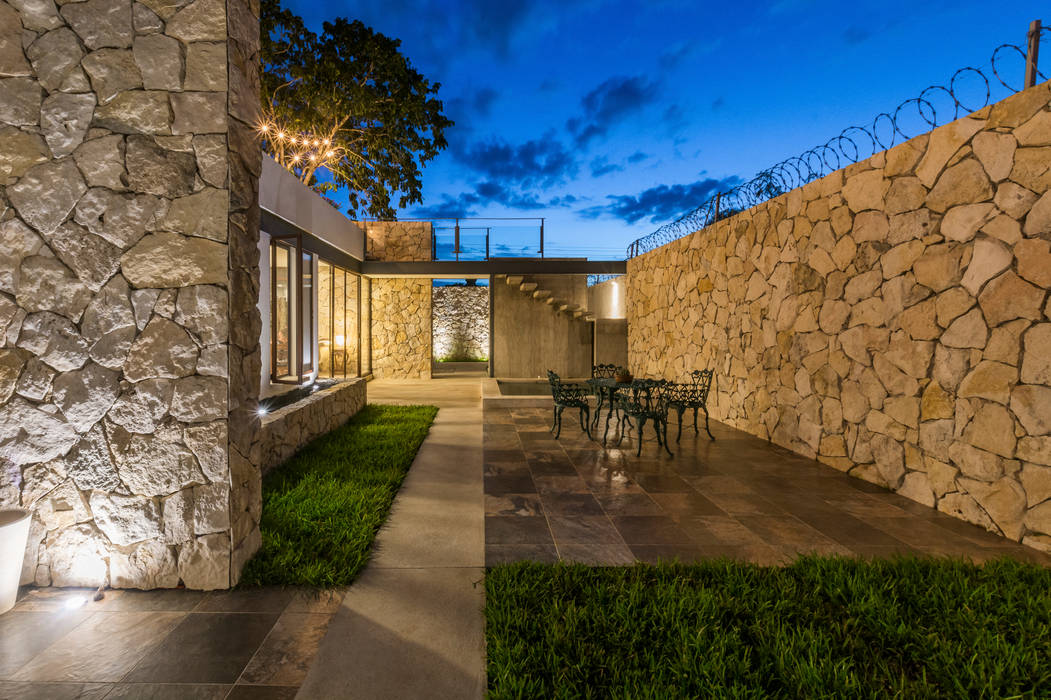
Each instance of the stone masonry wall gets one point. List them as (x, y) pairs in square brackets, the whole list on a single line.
[(401, 328), (397, 240), (127, 285), (460, 322), (288, 429), (891, 319)]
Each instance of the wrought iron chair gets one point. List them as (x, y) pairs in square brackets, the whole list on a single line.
[(693, 395), (569, 396), (646, 400), (603, 371)]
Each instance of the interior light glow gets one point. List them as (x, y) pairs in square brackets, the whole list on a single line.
[(261, 411)]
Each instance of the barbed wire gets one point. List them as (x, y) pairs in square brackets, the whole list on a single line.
[(851, 145)]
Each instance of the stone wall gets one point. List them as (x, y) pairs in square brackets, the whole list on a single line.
[(397, 240), (127, 288), (287, 429), (891, 319), (401, 328), (460, 322)]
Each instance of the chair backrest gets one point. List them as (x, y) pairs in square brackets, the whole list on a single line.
[(648, 396), (603, 371), (702, 382)]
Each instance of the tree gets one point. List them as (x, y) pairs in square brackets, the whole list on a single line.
[(347, 102)]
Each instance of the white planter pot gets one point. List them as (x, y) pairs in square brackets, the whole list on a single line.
[(14, 531)]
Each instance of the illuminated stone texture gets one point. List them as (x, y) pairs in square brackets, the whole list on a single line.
[(890, 319)]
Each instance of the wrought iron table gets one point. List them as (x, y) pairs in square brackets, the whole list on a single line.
[(606, 389)]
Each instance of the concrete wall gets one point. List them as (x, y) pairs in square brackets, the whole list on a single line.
[(460, 322), (285, 431), (530, 337), (890, 319), (611, 341), (128, 326)]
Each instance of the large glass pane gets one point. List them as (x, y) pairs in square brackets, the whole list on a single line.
[(324, 319), (353, 336), (366, 326), (281, 307), (339, 315), (308, 311)]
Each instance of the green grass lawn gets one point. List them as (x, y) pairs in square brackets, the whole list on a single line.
[(323, 507), (823, 627)]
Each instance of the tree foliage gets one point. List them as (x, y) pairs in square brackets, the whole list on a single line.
[(349, 103)]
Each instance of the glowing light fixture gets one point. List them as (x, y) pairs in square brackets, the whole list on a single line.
[(75, 602)]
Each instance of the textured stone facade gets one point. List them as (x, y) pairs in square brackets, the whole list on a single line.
[(287, 429), (460, 322), (128, 170), (397, 240), (891, 319), (401, 328)]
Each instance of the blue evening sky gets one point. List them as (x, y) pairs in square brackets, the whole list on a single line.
[(612, 118)]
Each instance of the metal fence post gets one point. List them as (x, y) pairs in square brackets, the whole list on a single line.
[(1032, 54), (487, 243), (541, 237), (456, 240)]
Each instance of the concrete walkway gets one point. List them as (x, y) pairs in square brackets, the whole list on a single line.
[(411, 625)]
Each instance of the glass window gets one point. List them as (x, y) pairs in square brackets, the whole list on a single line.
[(324, 319), (339, 314), (307, 334), (281, 308)]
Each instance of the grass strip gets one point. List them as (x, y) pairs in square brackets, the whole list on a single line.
[(822, 627), (323, 507)]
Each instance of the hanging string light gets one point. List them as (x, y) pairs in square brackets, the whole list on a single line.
[(301, 153)]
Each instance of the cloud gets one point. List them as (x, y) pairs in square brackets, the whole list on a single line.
[(638, 157), (542, 162), (718, 103), (610, 102), (601, 166), (483, 101), (661, 203)]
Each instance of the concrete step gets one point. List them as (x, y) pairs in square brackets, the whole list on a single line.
[(589, 317), (554, 302), (568, 308), (514, 280), (528, 287), (541, 294), (579, 312)]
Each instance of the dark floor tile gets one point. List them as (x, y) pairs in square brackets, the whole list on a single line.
[(628, 503), (759, 554), (596, 554), (711, 530), (666, 553), (503, 456), (501, 485), (650, 529), (570, 504), (287, 652), (165, 600), (262, 692), (515, 529), (506, 468), (584, 529), (101, 649), (882, 551), (862, 505), (718, 483), (53, 691), (791, 534), (560, 484), (847, 529), (259, 600), (686, 504), (205, 648), (866, 487), (513, 504), (169, 691), (32, 599), (550, 464), (509, 553), (744, 504), (24, 634), (662, 483)]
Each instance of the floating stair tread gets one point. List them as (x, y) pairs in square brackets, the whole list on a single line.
[(541, 294), (528, 286), (514, 280)]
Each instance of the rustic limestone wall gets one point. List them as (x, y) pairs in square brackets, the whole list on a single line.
[(891, 319), (460, 322), (127, 287), (401, 328), (397, 240), (287, 429)]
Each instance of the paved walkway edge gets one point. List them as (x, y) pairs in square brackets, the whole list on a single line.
[(412, 624)]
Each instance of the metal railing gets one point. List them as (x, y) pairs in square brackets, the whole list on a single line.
[(487, 238), (886, 130)]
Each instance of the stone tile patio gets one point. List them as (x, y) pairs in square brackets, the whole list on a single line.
[(739, 497), (255, 643)]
